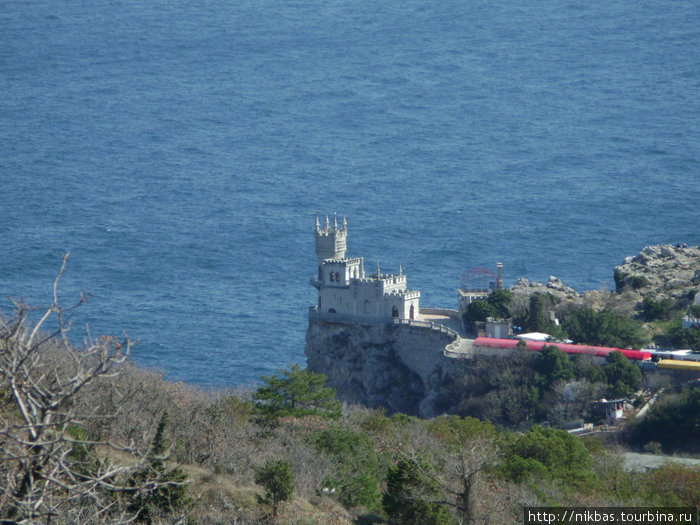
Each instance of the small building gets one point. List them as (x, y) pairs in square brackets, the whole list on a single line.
[(499, 328), (690, 322), (609, 410)]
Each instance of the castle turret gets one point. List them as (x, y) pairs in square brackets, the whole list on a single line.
[(331, 243)]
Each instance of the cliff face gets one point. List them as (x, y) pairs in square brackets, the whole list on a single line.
[(398, 367), (659, 272)]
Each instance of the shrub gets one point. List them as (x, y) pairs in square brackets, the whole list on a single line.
[(278, 481), (637, 281), (653, 309)]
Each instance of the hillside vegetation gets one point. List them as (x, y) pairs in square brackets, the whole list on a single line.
[(88, 438)]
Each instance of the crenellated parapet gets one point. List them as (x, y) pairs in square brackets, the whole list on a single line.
[(345, 289)]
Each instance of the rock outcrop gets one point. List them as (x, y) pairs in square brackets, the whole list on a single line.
[(398, 367), (668, 270)]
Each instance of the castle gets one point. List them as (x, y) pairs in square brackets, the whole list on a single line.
[(345, 293)]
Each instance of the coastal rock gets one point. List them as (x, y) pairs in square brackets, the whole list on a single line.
[(662, 270), (554, 287)]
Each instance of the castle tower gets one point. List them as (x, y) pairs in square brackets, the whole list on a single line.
[(331, 243)]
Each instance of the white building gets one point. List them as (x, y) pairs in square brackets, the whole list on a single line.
[(344, 290)]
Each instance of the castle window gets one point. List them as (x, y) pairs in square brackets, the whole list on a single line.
[(337, 277), (394, 311), (366, 307), (332, 276)]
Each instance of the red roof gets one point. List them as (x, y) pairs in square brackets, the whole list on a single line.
[(599, 351)]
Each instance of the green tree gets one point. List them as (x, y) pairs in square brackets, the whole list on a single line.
[(356, 466), (500, 300), (537, 317), (478, 311), (552, 366), (295, 392), (606, 329), (622, 376), (653, 309), (684, 337), (674, 421), (278, 481), (546, 453), (412, 498)]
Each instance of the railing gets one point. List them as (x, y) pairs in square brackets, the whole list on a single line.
[(440, 311), (427, 324)]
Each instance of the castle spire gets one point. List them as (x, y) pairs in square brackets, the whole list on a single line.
[(400, 269), (378, 274), (335, 222), (327, 225), (345, 223), (318, 226)]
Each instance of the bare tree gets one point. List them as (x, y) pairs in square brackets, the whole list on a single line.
[(456, 465), (51, 471)]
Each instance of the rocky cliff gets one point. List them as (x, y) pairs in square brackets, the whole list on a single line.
[(659, 272), (398, 367)]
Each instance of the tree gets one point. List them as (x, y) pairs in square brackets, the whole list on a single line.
[(623, 377), (278, 481), (500, 300), (684, 337), (355, 463), (653, 309), (545, 453), (51, 469), (552, 366), (295, 392), (478, 311), (466, 449), (607, 329), (411, 496), (674, 421)]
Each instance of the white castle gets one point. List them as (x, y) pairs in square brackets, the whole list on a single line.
[(345, 292)]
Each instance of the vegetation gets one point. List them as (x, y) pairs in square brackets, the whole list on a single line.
[(278, 481), (684, 337), (412, 497), (496, 305), (674, 423), (604, 328), (295, 392), (547, 386), (623, 377), (86, 438)]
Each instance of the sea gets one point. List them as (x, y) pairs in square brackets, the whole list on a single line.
[(181, 150)]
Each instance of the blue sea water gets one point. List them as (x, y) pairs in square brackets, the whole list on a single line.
[(179, 151)]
